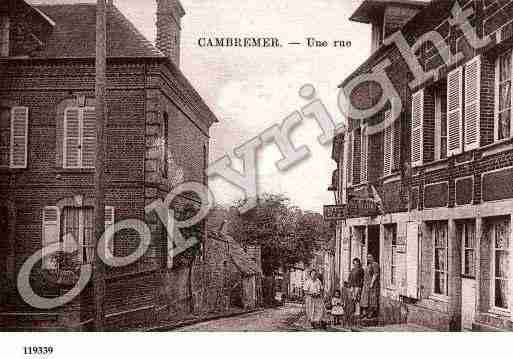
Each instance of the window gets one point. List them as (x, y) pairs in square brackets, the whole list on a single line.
[(441, 122), (467, 235), (79, 137), (500, 264), (388, 147), (349, 165), (72, 223), (5, 134), (13, 137), (391, 237), (205, 164), (417, 128), (503, 97), (4, 35), (364, 156), (441, 259), (77, 222), (165, 146)]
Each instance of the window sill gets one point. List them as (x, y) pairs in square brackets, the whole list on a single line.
[(75, 170), (497, 147), (439, 298), (499, 312), (395, 176), (7, 170)]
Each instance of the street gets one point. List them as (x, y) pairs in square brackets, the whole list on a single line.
[(275, 319)]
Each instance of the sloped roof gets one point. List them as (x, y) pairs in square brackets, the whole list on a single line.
[(242, 260), (74, 34), (370, 8)]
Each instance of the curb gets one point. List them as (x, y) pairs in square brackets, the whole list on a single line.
[(186, 323)]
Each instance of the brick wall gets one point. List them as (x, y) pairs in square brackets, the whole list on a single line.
[(44, 86)]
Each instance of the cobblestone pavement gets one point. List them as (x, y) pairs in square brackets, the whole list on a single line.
[(276, 319)]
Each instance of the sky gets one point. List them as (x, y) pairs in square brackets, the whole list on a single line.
[(252, 89)]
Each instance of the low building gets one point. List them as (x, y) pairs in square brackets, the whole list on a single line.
[(428, 192)]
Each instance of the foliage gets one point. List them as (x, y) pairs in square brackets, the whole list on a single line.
[(186, 258), (286, 234)]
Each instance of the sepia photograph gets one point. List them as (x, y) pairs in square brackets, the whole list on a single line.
[(293, 166)]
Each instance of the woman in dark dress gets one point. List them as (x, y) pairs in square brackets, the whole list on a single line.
[(370, 292)]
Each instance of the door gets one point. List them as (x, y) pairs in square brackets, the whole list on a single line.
[(373, 243), (468, 303), (467, 237)]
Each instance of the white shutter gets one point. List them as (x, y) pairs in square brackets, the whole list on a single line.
[(472, 103), (365, 155), (417, 128), (19, 137), (388, 147), (454, 109), (51, 233), (88, 137), (72, 142), (412, 260), (349, 162), (109, 221)]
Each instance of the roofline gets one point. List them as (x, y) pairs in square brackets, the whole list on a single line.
[(212, 118), (360, 15), (383, 49), (44, 16)]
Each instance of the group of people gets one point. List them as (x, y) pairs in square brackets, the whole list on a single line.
[(358, 298)]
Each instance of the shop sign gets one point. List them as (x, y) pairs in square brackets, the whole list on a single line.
[(354, 209)]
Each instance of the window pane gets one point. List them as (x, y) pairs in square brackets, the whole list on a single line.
[(501, 293), (505, 67), (440, 259), (469, 262), (440, 283), (88, 250), (505, 96), (501, 264), (504, 125)]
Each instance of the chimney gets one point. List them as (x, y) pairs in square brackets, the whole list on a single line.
[(169, 15)]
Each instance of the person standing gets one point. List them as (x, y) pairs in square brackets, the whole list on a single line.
[(370, 292), (314, 304), (355, 282)]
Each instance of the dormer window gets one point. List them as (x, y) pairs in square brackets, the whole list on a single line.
[(4, 35)]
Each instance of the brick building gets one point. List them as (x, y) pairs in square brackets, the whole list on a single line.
[(430, 194), (157, 135)]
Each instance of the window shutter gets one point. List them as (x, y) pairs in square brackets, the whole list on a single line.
[(349, 165), (19, 137), (417, 129), (51, 233), (364, 156), (412, 260), (388, 147), (88, 137), (170, 241), (72, 141), (109, 221), (454, 109), (472, 103)]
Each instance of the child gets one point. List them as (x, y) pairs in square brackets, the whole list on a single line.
[(337, 308)]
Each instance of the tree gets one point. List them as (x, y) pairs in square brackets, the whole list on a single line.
[(286, 234)]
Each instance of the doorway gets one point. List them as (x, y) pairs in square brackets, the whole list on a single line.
[(373, 242), (466, 231)]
